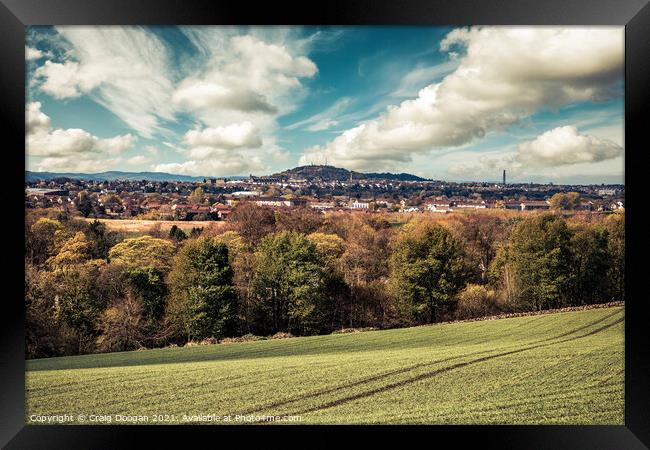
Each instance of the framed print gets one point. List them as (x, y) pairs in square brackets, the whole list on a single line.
[(399, 217)]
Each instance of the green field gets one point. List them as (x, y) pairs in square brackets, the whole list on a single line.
[(552, 368)]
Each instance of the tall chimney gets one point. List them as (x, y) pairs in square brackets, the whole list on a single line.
[(504, 176)]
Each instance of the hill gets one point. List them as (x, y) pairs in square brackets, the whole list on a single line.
[(554, 368), (111, 176), (331, 173)]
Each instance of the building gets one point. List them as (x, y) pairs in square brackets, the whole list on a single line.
[(264, 180), (534, 205), (246, 194), (358, 204), (322, 205)]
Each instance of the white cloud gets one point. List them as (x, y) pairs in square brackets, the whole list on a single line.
[(35, 120), (564, 146), (125, 69), (32, 53), (506, 74), (69, 149), (243, 73), (138, 159), (553, 149), (227, 164), (229, 150), (235, 135), (416, 79)]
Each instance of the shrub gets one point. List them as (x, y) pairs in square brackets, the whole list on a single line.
[(477, 301)]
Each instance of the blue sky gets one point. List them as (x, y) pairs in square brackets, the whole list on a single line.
[(441, 102)]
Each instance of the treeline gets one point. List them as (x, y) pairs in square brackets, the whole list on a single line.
[(298, 272)]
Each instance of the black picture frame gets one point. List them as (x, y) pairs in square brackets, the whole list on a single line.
[(15, 15)]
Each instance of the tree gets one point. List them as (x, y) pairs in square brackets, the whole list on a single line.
[(615, 225), (477, 300), (122, 326), (84, 203), (143, 251), (197, 197), (540, 252), (148, 285), (101, 240), (252, 222), (565, 201), (203, 300), (427, 270), (75, 250), (481, 235), (329, 246), (77, 303), (289, 282), (177, 234), (591, 262), (41, 242), (301, 220)]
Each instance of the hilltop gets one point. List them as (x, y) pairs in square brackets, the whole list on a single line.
[(331, 173)]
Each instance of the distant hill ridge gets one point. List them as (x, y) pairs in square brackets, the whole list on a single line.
[(326, 173), (331, 173)]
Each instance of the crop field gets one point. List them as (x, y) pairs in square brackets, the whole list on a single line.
[(560, 368), (143, 226)]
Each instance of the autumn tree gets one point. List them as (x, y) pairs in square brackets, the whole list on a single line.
[(252, 222), (615, 225), (143, 251), (41, 241), (481, 235), (197, 197), (565, 201), (122, 326)]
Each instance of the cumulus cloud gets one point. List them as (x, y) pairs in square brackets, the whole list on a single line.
[(503, 76), (243, 73), (561, 146), (231, 136), (32, 53), (227, 164), (228, 150), (125, 69), (69, 149), (230, 76), (564, 146)]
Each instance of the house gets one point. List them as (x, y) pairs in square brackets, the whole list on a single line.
[(322, 205), (359, 204), (439, 207), (534, 205), (279, 202), (471, 205), (220, 210)]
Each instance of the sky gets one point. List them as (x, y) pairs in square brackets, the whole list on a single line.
[(446, 103)]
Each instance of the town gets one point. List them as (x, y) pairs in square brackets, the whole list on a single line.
[(303, 187)]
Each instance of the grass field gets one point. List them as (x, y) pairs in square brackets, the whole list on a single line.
[(551, 369), (143, 226)]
